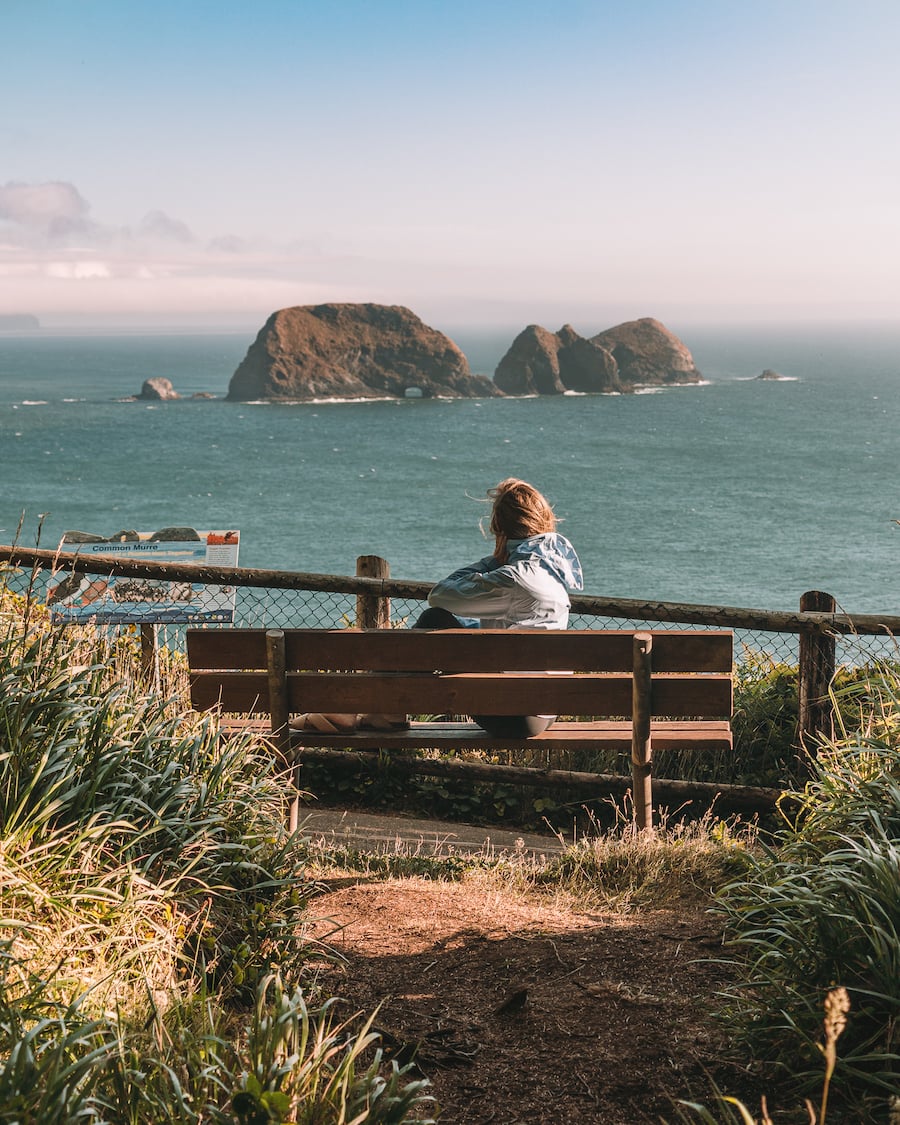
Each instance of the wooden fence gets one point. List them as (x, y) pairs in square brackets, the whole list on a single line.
[(817, 623)]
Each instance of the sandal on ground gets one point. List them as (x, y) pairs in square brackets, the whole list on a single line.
[(324, 723), (383, 722)]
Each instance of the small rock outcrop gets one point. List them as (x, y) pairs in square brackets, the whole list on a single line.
[(353, 351), (638, 353), (158, 389), (770, 376)]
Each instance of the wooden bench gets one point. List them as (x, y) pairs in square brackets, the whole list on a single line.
[(633, 691)]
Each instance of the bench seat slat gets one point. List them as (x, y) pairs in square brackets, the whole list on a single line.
[(233, 691), (226, 648), (606, 735), (459, 650), (498, 694), (506, 694)]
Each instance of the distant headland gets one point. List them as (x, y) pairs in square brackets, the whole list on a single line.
[(360, 351), (17, 322)]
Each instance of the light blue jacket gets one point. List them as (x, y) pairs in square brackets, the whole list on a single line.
[(526, 592)]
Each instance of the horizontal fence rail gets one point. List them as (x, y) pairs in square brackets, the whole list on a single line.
[(626, 609)]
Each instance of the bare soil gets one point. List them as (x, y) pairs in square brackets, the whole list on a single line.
[(526, 1012)]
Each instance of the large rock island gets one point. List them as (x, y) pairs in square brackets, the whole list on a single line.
[(639, 353), (353, 351)]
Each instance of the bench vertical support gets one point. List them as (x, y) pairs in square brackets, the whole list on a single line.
[(278, 709), (641, 781)]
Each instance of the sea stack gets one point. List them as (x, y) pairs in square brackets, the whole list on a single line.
[(550, 363), (353, 351), (158, 389), (638, 353)]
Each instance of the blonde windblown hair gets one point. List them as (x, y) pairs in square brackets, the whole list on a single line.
[(519, 511)]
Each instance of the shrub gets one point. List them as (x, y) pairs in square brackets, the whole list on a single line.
[(764, 723), (150, 894), (821, 908)]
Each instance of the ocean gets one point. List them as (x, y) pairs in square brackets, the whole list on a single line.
[(739, 492)]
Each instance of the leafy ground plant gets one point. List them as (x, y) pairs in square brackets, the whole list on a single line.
[(732, 1111), (111, 794), (820, 908), (150, 898)]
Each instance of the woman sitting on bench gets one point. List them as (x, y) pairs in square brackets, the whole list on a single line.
[(522, 585)]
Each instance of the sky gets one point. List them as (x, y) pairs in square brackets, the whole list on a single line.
[(483, 162)]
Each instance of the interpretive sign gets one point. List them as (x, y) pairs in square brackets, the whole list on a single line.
[(120, 600)]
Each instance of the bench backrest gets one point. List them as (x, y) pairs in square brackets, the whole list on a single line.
[(461, 671)]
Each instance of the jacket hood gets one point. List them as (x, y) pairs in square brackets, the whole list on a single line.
[(553, 553)]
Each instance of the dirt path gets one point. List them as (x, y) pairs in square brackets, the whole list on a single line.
[(530, 1013)]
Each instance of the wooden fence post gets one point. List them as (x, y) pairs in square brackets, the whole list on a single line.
[(816, 671), (150, 656), (641, 749), (372, 611)]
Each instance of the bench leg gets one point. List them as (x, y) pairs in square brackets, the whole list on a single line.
[(641, 749), (279, 716)]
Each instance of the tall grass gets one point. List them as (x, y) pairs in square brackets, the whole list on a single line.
[(155, 963), (820, 908), (626, 868), (110, 796)]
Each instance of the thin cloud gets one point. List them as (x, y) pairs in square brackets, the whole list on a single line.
[(48, 229), (157, 224), (53, 210), (56, 215), (56, 258)]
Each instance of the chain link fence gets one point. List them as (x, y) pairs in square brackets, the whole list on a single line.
[(779, 653), (278, 600)]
